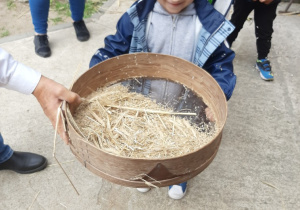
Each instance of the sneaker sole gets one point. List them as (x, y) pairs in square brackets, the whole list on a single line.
[(143, 190), (262, 76), (176, 196), (43, 56)]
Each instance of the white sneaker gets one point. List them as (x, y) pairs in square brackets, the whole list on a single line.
[(177, 191), (144, 189)]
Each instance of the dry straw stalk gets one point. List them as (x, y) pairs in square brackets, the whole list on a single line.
[(129, 124)]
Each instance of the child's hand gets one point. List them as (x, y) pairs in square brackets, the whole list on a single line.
[(209, 114)]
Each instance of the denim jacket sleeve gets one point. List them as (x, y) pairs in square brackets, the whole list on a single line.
[(220, 66)]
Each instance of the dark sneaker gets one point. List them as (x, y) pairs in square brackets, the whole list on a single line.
[(42, 45), (81, 31), (264, 67), (24, 163)]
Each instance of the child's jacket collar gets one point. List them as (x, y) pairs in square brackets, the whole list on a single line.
[(210, 18)]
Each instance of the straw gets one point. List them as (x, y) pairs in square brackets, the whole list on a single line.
[(129, 124)]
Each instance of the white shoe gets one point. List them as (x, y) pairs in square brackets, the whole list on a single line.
[(177, 191), (143, 190)]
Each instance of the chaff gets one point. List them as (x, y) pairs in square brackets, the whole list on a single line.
[(130, 124)]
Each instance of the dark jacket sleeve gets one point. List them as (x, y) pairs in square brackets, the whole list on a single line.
[(117, 44), (220, 66)]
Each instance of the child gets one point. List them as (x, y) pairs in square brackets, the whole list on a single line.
[(192, 30), (264, 16)]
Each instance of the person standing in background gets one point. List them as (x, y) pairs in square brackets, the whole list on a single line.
[(39, 13), (264, 16)]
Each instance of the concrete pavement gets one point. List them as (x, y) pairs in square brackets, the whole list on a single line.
[(258, 162)]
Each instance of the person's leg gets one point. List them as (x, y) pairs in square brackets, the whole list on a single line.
[(241, 11), (39, 13), (264, 16), (77, 11), (5, 151), (20, 162)]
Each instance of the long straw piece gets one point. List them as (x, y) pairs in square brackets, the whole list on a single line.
[(151, 111), (59, 113), (54, 146), (33, 200)]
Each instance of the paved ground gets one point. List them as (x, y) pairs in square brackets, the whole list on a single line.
[(258, 163), (18, 13)]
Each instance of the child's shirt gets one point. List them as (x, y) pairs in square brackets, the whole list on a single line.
[(172, 34)]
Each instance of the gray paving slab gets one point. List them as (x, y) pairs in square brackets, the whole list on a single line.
[(258, 162)]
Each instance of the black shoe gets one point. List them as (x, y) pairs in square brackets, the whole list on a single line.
[(42, 45), (24, 163), (81, 31)]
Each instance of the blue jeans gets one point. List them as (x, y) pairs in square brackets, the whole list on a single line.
[(5, 151), (40, 10)]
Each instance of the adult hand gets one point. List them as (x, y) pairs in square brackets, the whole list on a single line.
[(50, 95)]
